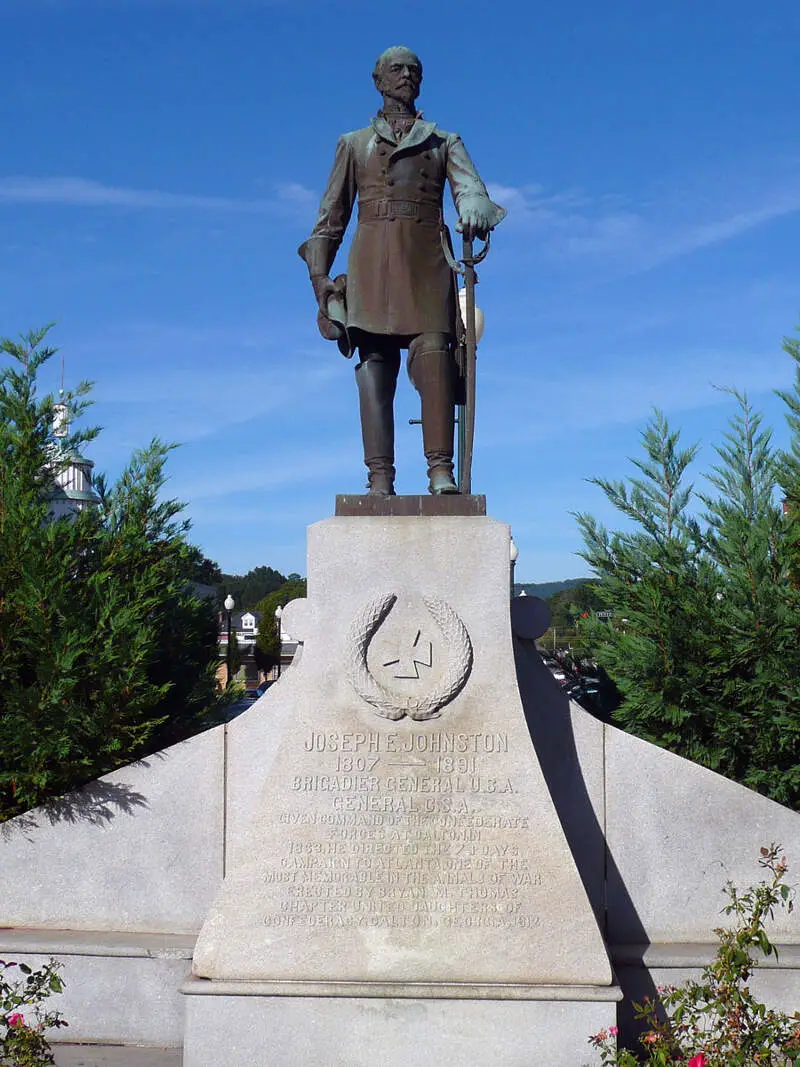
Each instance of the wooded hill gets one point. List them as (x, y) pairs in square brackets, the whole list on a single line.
[(545, 590)]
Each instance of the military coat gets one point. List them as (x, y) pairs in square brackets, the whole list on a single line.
[(398, 280)]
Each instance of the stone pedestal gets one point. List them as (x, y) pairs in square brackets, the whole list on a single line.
[(404, 892), (242, 1027)]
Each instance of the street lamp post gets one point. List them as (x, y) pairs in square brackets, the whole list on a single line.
[(278, 613), (473, 319), (514, 556), (230, 604)]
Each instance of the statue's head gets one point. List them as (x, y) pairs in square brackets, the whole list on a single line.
[(398, 74)]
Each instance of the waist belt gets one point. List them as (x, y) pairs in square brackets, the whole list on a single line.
[(398, 209)]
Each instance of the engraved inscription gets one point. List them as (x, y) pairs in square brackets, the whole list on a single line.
[(404, 830), (436, 741)]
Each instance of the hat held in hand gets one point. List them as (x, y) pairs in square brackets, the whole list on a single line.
[(333, 327)]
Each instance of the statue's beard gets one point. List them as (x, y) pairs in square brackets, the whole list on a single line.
[(402, 98)]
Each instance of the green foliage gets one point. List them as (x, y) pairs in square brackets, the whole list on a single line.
[(22, 1018), (267, 640), (232, 657), (568, 605), (704, 641), (716, 1021), (789, 471), (546, 590), (249, 589), (204, 570), (105, 653)]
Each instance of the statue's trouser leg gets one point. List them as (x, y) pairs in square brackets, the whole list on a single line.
[(432, 370), (376, 377)]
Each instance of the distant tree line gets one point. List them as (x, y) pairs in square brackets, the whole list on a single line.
[(569, 605), (547, 590), (248, 589)]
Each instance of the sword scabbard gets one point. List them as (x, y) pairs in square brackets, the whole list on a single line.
[(467, 431)]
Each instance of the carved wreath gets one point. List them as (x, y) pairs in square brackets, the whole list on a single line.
[(396, 705)]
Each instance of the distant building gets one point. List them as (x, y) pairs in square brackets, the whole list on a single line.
[(71, 490), (244, 624), (244, 628)]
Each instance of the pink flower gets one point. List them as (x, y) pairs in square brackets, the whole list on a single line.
[(697, 1061), (16, 1019), (613, 1030)]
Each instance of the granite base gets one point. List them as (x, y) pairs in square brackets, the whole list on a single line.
[(119, 988), (249, 1028)]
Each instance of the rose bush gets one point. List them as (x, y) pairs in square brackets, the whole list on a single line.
[(716, 1021), (23, 1020)]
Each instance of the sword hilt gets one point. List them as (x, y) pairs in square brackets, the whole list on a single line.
[(468, 260)]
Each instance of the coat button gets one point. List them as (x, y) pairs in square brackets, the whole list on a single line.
[(423, 188), (424, 174)]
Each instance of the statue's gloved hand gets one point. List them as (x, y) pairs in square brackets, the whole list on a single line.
[(324, 288), (478, 216), (475, 221)]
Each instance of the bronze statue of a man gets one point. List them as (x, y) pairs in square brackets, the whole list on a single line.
[(400, 291)]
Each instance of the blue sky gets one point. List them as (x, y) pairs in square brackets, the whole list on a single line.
[(162, 159)]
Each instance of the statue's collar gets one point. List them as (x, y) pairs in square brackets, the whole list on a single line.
[(419, 132)]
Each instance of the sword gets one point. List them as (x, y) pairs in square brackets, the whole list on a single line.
[(466, 416), (466, 358)]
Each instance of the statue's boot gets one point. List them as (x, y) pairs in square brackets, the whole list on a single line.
[(377, 380), (432, 373)]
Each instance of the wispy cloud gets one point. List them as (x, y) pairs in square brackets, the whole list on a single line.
[(574, 226), (725, 229), (532, 203), (294, 193), (316, 464), (181, 406), (237, 389), (83, 192), (621, 391)]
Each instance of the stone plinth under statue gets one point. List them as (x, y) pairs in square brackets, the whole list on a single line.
[(404, 872)]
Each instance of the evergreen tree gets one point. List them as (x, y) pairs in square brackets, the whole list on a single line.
[(105, 654), (205, 571), (704, 642), (267, 640), (754, 661), (789, 471), (233, 658)]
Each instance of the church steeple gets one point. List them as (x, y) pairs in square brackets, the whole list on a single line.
[(71, 490)]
